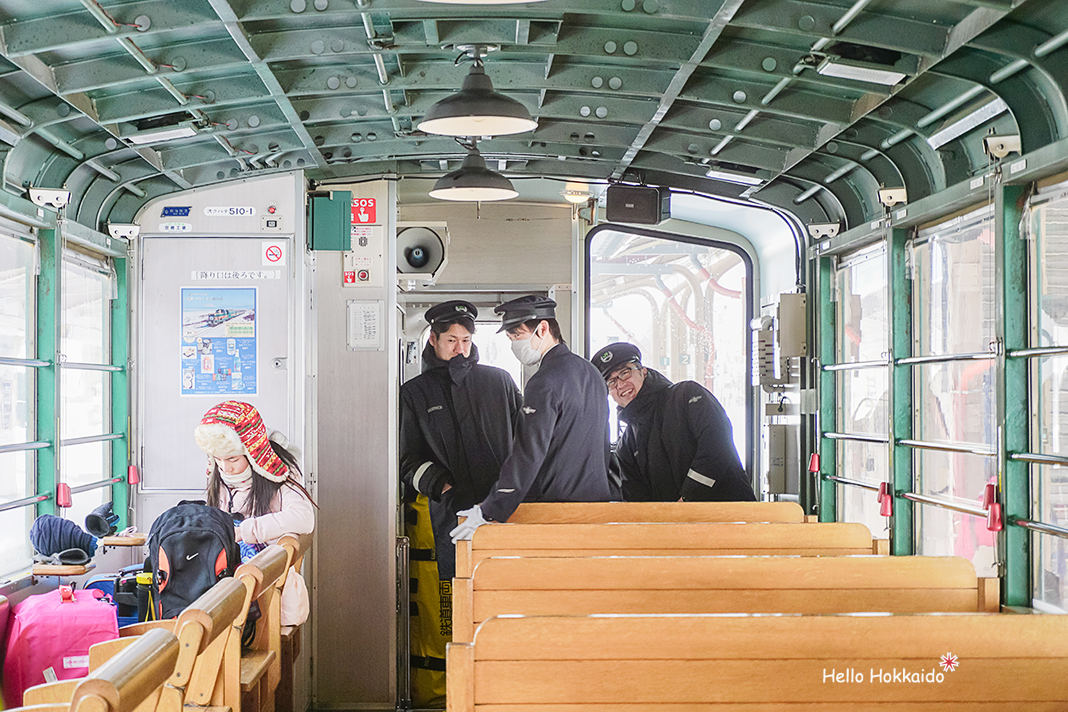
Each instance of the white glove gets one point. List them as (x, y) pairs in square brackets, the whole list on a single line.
[(464, 531)]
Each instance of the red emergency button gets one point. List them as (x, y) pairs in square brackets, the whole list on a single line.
[(272, 209), (363, 275)]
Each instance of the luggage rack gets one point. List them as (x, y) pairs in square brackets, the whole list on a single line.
[(80, 569)]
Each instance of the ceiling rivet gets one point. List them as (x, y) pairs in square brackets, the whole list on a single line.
[(596, 153), (321, 5), (273, 147), (715, 124), (305, 115), (832, 147), (301, 161), (209, 97), (610, 47), (615, 83), (806, 23), (111, 144), (351, 82), (357, 137), (287, 163), (738, 96), (319, 140), (372, 136), (693, 148), (884, 112), (143, 22), (584, 111), (333, 83), (630, 48), (347, 153), (231, 124), (361, 110), (597, 82), (601, 112), (63, 109), (628, 5), (221, 175), (337, 45), (253, 121), (574, 136), (650, 6), (318, 47), (769, 64), (253, 148), (298, 5)]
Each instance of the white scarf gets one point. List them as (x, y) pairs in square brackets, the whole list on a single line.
[(241, 481)]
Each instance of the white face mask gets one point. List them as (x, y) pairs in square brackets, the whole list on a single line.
[(526, 353)]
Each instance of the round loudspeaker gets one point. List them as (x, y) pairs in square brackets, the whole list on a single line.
[(420, 250)]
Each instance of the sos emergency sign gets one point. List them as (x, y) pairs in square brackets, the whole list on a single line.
[(363, 211)]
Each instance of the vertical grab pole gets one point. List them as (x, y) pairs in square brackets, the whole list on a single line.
[(404, 624)]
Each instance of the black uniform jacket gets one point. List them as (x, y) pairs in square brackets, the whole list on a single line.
[(561, 447), (678, 443), (456, 421)]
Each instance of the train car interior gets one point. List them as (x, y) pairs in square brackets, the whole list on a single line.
[(844, 218)]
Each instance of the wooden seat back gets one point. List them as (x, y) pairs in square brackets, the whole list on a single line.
[(662, 539), (763, 663), (133, 677), (604, 512), (296, 547), (717, 584)]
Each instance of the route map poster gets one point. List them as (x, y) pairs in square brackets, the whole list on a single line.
[(218, 341)]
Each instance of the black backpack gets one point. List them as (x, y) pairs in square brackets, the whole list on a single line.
[(191, 547)]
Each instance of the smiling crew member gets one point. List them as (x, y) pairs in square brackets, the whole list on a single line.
[(456, 424), (678, 442), (560, 452)]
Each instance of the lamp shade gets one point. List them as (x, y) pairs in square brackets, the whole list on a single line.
[(477, 110), (473, 182)]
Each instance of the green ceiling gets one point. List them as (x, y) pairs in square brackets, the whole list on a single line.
[(660, 91)]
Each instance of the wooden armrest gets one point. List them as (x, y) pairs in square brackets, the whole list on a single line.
[(215, 611), (296, 547), (131, 676), (62, 570), (253, 665), (144, 626), (264, 568), (288, 632)]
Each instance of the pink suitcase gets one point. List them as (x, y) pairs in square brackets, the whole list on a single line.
[(54, 630)]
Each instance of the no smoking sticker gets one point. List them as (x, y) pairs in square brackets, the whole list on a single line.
[(273, 253)]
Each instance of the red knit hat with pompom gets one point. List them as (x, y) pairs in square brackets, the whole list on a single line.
[(236, 428)]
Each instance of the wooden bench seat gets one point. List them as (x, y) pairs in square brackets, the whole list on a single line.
[(711, 584), (604, 512), (762, 663), (665, 539), (132, 679), (290, 636)]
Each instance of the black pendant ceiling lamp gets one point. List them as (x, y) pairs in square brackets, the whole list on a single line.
[(473, 182), (477, 109)]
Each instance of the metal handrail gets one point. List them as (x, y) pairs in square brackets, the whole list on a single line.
[(1039, 459), (1038, 351), (92, 439), (853, 483), (90, 366), (948, 447), (25, 501), (23, 447), (855, 366), (95, 485), (944, 358), (885, 439), (1040, 527), (924, 499), (31, 362)]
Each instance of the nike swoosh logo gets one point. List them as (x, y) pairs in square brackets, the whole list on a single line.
[(506, 491), (528, 410), (192, 556), (695, 399)]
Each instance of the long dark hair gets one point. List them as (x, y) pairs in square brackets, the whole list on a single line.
[(263, 489)]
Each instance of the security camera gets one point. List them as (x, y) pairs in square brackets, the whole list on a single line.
[(50, 196), (1001, 146), (125, 231), (892, 196), (823, 230)]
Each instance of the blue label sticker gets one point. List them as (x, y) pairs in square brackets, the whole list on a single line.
[(181, 211)]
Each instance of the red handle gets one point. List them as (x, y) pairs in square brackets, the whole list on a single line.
[(63, 495), (132, 475), (814, 462), (993, 517), (990, 495)]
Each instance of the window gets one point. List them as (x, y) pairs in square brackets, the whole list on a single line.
[(862, 384), (684, 303), (17, 402), (953, 386)]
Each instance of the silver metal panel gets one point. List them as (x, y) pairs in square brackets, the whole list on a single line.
[(170, 458), (354, 645)]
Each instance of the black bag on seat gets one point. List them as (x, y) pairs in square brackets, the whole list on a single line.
[(191, 546)]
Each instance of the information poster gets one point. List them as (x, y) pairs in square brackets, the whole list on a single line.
[(218, 341)]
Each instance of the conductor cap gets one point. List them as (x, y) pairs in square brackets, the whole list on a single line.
[(524, 309), (451, 312), (615, 356)]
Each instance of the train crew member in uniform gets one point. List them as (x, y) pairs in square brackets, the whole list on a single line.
[(677, 442), (254, 476), (561, 448), (456, 421)]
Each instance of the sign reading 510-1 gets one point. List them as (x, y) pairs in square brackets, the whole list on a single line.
[(230, 211)]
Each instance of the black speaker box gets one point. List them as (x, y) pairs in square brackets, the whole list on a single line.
[(638, 204)]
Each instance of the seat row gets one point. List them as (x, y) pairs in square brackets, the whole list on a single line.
[(653, 615), (197, 659)]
